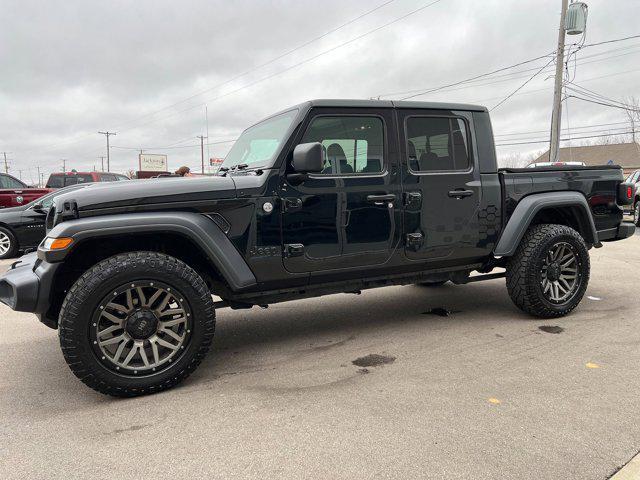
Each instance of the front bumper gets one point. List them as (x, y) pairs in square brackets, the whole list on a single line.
[(26, 286)]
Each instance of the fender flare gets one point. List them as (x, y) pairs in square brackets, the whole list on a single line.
[(198, 228), (527, 209)]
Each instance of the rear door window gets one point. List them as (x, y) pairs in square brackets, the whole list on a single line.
[(437, 144)]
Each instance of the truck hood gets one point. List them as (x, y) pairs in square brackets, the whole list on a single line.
[(174, 191)]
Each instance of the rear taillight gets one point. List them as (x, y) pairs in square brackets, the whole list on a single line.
[(626, 194)]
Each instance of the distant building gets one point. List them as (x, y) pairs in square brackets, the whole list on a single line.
[(627, 155)]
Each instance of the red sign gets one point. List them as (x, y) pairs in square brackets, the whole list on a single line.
[(216, 162)]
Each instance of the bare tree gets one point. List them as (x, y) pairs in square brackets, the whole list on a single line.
[(632, 114), (131, 173)]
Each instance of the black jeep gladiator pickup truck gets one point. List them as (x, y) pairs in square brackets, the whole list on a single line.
[(328, 196)]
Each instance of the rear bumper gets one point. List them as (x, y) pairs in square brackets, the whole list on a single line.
[(25, 287), (624, 230)]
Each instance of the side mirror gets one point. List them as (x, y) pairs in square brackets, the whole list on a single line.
[(38, 207), (308, 158)]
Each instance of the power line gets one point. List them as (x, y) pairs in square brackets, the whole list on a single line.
[(477, 76), (601, 103), (433, 89), (563, 139), (269, 62), (303, 62), (521, 86), (572, 128), (611, 41), (598, 132)]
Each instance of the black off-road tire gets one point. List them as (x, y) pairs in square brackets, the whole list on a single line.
[(84, 297), (12, 251), (524, 270), (636, 213)]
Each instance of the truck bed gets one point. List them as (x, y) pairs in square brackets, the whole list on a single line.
[(597, 183)]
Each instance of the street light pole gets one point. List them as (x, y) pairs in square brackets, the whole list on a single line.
[(107, 134), (556, 116)]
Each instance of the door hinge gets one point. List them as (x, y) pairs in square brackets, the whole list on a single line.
[(293, 250), (412, 199), (291, 204), (414, 240)]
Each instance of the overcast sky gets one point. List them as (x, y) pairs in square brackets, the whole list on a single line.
[(147, 68)]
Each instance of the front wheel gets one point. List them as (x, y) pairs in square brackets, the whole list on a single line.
[(549, 273), (636, 213), (136, 323)]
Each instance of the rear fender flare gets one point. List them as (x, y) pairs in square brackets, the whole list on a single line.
[(528, 208)]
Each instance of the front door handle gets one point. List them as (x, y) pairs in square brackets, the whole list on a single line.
[(459, 194), (380, 199)]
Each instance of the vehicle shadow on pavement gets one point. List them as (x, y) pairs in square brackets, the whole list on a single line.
[(251, 340)]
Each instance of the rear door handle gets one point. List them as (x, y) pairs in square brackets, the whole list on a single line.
[(460, 193), (380, 199)]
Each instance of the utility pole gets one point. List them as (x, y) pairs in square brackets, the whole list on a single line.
[(64, 165), (6, 164), (101, 163), (107, 134), (20, 174), (39, 182), (556, 116), (202, 137), (41, 178)]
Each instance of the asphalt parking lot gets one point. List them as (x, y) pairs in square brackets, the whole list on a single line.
[(482, 393)]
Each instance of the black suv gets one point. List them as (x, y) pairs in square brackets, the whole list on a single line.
[(328, 196)]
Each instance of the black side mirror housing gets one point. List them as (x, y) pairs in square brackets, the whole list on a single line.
[(308, 158), (38, 207)]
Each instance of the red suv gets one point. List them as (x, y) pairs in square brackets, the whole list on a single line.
[(14, 192), (59, 180)]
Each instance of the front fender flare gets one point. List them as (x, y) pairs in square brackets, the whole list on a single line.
[(196, 227), (527, 209)]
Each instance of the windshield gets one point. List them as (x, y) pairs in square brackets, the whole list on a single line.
[(258, 144), (47, 200)]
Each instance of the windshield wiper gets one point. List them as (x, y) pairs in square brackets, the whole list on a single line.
[(240, 166)]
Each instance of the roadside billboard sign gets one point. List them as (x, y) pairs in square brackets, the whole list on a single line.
[(216, 163)]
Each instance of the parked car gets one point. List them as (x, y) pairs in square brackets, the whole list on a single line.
[(634, 179), (23, 228), (326, 197), (59, 180), (14, 192)]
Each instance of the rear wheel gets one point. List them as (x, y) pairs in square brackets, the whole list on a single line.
[(636, 213), (8, 243), (549, 273), (136, 323)]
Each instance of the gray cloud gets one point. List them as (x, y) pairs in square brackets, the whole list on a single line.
[(72, 68)]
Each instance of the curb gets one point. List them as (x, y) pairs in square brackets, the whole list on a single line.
[(631, 471)]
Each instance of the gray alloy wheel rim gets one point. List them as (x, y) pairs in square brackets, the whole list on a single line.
[(560, 274), (141, 328), (5, 243), (636, 213)]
